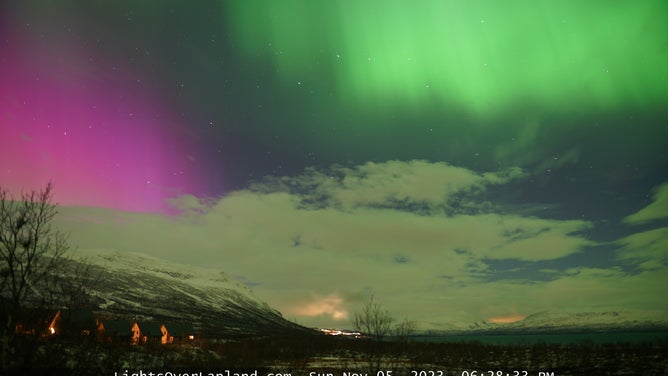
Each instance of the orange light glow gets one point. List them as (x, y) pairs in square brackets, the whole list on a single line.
[(506, 319)]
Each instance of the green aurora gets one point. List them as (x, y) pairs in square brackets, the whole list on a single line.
[(482, 58)]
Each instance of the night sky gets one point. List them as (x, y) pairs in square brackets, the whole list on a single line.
[(460, 160)]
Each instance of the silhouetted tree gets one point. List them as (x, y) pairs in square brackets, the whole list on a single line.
[(373, 319), (30, 248), (405, 329)]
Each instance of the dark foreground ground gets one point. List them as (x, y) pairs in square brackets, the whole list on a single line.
[(322, 355)]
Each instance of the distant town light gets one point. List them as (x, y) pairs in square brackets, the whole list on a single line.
[(335, 332)]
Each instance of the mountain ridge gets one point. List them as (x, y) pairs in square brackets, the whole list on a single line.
[(545, 322), (142, 287)]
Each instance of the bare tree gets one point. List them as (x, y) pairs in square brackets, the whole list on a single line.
[(373, 319), (405, 329), (30, 248)]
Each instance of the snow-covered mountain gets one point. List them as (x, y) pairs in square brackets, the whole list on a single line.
[(137, 286), (554, 322), (605, 320)]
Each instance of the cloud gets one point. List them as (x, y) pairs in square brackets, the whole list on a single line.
[(313, 244), (646, 250), (656, 210), (506, 319), (408, 185), (188, 205), (331, 305), (604, 289)]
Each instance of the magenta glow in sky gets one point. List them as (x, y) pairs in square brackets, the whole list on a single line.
[(100, 137)]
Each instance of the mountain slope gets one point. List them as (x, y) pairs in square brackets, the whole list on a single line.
[(138, 286), (594, 321), (565, 322)]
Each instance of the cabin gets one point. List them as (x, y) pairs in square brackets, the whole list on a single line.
[(115, 331), (149, 332), (78, 322), (49, 321), (38, 321), (180, 333), (55, 320)]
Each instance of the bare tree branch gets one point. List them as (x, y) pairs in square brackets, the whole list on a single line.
[(373, 320), (30, 249)]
